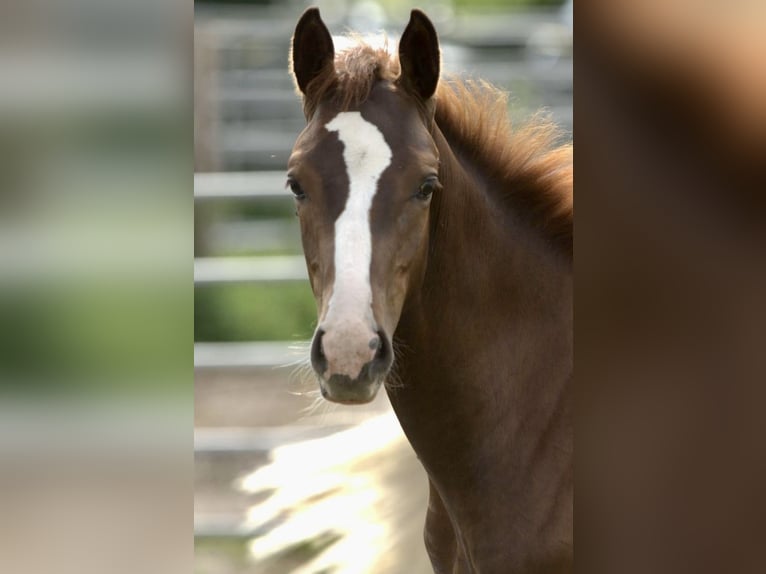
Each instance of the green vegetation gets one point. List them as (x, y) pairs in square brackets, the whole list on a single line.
[(254, 312), (95, 338), (232, 554)]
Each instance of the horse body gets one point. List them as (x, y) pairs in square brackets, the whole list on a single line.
[(459, 265), (485, 368)]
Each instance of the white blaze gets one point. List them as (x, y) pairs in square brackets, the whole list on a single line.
[(366, 155)]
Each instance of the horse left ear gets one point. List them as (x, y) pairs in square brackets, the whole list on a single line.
[(312, 50), (419, 55)]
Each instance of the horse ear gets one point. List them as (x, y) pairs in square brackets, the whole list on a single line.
[(312, 48), (419, 55)]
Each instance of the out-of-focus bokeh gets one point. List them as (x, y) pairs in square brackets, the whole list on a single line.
[(284, 481), (96, 289), (670, 283)]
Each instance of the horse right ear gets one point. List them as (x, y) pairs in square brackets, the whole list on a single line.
[(312, 49), (419, 55)]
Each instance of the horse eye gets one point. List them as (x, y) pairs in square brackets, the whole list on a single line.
[(426, 188), (295, 187)]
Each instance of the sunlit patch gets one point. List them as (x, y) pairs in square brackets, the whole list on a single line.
[(329, 492)]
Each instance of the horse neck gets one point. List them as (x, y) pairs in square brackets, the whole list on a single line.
[(485, 340)]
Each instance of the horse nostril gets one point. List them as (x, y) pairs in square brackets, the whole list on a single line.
[(318, 359), (374, 343), (384, 355)]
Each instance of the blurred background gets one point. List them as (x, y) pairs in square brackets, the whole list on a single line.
[(96, 234), (285, 482)]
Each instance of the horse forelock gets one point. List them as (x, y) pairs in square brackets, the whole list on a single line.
[(357, 69)]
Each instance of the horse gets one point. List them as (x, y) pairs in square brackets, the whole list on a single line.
[(438, 242)]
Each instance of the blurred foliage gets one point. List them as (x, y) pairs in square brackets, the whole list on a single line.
[(220, 549), (261, 209), (234, 553), (95, 240), (258, 312), (95, 337)]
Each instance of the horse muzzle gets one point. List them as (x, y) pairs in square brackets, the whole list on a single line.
[(351, 366)]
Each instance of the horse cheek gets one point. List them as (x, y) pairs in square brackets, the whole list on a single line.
[(411, 255), (317, 250)]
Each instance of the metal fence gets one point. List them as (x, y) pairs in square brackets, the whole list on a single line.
[(256, 186)]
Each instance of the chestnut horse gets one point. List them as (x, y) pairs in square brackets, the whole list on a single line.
[(439, 248)]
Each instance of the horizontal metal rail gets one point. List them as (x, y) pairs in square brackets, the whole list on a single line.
[(241, 185), (228, 525), (271, 268), (270, 354)]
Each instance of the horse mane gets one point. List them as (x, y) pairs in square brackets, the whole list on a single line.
[(533, 175)]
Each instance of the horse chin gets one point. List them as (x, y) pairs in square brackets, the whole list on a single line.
[(345, 391)]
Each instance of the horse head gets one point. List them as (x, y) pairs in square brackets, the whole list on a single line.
[(363, 173)]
